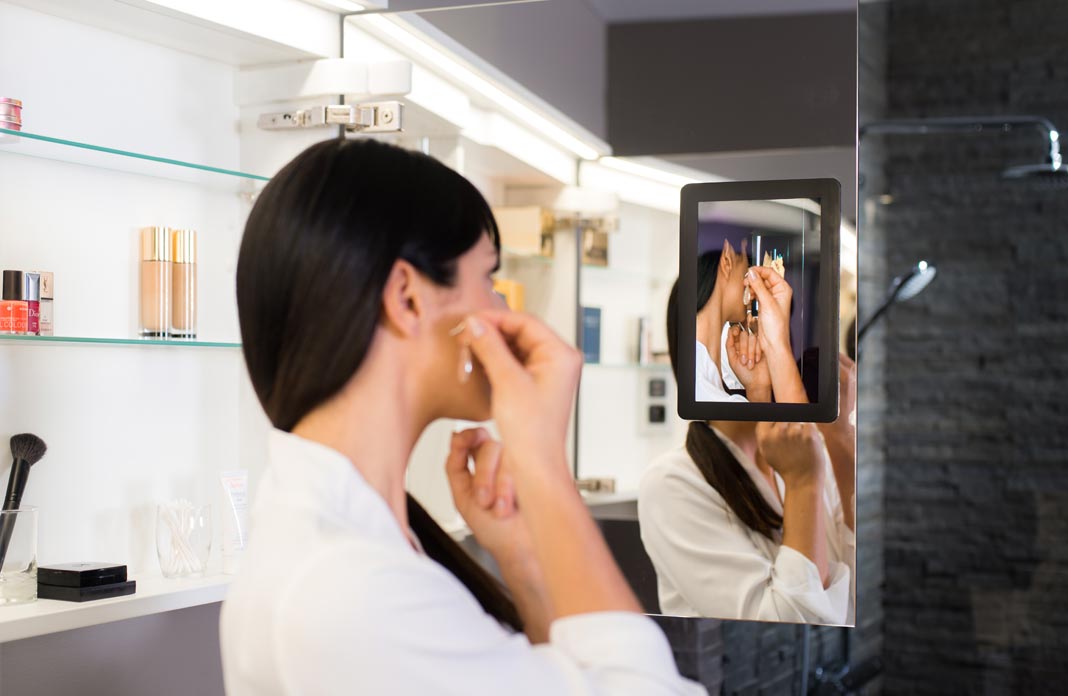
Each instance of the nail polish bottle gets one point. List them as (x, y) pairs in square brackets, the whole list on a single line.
[(155, 282), (31, 293), (14, 312)]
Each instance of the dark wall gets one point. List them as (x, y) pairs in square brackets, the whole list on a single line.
[(749, 83), (976, 368)]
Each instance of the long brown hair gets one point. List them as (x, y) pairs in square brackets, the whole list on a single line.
[(719, 467), (318, 247)]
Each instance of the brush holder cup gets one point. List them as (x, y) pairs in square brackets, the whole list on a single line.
[(183, 539), (18, 548)]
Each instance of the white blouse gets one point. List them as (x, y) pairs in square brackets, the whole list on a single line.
[(708, 384), (333, 599), (709, 563)]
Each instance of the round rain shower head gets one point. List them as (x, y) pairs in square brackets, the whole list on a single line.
[(1048, 176), (916, 281)]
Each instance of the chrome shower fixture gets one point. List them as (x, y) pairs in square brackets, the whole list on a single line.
[(1052, 171), (902, 288)]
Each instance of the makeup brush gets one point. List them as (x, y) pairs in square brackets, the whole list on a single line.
[(27, 450)]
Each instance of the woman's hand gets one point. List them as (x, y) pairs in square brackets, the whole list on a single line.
[(486, 499), (795, 451), (748, 364), (774, 295), (533, 375)]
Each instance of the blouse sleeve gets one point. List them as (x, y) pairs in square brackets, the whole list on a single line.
[(707, 554), (409, 627)]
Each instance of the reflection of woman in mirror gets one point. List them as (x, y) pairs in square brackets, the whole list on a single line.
[(746, 521), (720, 286), (762, 362)]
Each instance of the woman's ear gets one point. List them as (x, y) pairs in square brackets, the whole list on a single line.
[(402, 304), (726, 259)]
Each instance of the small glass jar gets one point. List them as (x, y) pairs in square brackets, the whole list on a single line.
[(183, 539), (18, 547)]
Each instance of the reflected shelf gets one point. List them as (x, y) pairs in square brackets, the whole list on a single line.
[(170, 342), (24, 144)]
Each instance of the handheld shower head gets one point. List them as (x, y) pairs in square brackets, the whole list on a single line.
[(912, 284), (902, 289)]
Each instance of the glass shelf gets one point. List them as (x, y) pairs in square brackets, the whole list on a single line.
[(173, 342), (21, 143)]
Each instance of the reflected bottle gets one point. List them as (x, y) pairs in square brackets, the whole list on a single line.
[(155, 282), (184, 284)]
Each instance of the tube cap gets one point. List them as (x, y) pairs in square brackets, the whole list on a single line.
[(13, 285), (155, 244), (31, 287), (184, 246)]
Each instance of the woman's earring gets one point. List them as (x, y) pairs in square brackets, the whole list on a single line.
[(466, 364)]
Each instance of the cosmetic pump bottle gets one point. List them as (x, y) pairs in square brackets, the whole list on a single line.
[(31, 293), (184, 283), (155, 282), (14, 312)]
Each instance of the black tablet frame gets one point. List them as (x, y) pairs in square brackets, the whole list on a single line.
[(829, 193)]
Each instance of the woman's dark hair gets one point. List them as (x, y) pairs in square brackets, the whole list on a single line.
[(319, 245), (714, 460)]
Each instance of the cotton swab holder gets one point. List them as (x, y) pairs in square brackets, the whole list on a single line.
[(183, 538)]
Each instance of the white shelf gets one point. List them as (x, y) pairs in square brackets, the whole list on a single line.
[(236, 32), (154, 595)]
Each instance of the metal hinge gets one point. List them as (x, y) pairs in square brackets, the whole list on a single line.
[(372, 117)]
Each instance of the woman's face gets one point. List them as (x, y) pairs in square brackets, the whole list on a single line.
[(472, 292)]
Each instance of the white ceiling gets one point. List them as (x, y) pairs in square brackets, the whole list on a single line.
[(613, 11)]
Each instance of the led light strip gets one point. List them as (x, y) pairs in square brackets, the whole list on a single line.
[(464, 75)]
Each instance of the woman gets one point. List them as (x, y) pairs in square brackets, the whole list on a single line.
[(365, 297), (720, 278), (747, 521)]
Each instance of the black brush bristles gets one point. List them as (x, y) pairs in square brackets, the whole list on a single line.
[(28, 447)]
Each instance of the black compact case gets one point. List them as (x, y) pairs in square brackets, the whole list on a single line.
[(81, 574), (82, 582)]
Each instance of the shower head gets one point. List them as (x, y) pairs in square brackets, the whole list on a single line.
[(902, 288), (1051, 174), (916, 281)]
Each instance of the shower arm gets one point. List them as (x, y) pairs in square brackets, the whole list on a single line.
[(968, 124)]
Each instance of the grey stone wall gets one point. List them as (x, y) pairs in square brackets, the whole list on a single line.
[(975, 419)]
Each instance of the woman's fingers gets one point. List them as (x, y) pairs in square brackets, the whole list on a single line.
[(756, 279), (489, 346), (751, 355), (487, 466), (523, 332), (463, 484), (504, 504)]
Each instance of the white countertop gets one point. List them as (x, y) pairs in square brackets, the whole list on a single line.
[(154, 595)]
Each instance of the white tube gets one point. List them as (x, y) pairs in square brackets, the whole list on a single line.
[(235, 524)]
